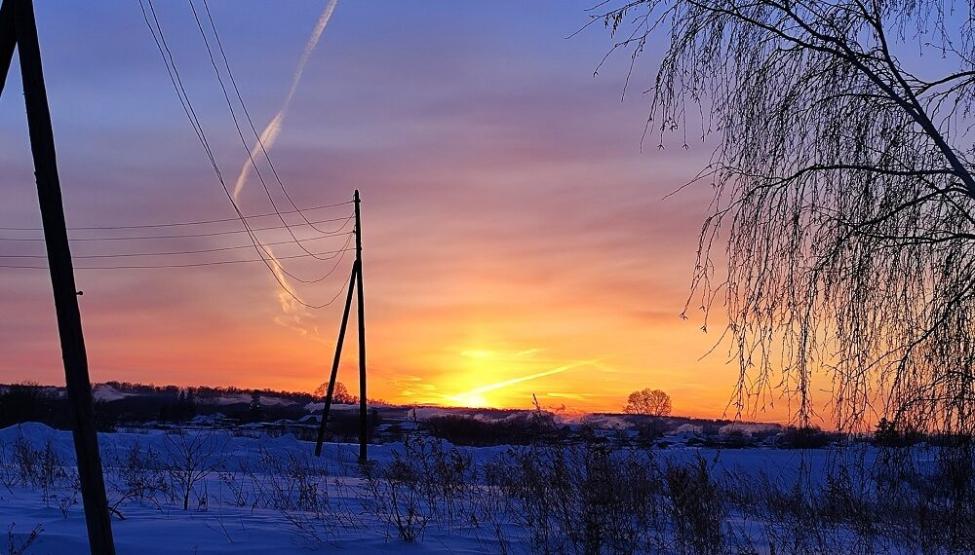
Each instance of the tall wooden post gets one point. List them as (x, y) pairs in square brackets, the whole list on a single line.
[(8, 39), (355, 282), (335, 362), (363, 408), (18, 15)]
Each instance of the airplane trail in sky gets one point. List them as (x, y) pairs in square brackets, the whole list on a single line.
[(479, 391), (265, 142), (273, 128)]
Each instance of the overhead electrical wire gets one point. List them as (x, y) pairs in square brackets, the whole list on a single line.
[(180, 265), (339, 253), (334, 233), (169, 253), (240, 133), (247, 114), (197, 222), (266, 257)]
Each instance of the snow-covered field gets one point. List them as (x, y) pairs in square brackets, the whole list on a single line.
[(270, 495)]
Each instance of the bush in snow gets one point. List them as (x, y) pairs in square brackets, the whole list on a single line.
[(294, 481), (41, 468), (581, 499), (17, 545), (398, 498), (190, 457), (516, 429), (139, 475), (803, 437), (695, 507)]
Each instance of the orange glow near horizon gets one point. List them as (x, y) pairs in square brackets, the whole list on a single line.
[(518, 242)]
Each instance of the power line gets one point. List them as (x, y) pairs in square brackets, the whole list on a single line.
[(247, 114), (172, 253), (163, 266), (174, 78), (334, 233), (243, 141), (198, 222), (340, 253), (190, 113)]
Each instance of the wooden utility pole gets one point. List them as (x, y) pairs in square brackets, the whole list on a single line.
[(363, 416), (18, 28), (355, 282)]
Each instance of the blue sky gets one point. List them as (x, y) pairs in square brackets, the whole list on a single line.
[(508, 206)]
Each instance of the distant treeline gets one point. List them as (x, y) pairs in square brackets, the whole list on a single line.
[(145, 403), (206, 392)]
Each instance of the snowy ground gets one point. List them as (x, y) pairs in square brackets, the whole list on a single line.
[(269, 495)]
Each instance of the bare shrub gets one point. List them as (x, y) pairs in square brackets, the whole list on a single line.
[(493, 511), (17, 546), (803, 437), (904, 504), (444, 475), (785, 512), (398, 497), (949, 503), (69, 498), (427, 480), (294, 481), (140, 475), (25, 460), (50, 470), (585, 499), (516, 429), (297, 485), (233, 481), (523, 477), (40, 468), (190, 458), (696, 509), (8, 473), (848, 500)]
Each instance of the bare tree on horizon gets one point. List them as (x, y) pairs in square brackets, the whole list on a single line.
[(841, 235), (650, 402)]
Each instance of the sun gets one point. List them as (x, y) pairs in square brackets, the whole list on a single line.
[(470, 399), (477, 363)]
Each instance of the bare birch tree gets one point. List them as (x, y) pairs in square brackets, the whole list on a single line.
[(841, 239)]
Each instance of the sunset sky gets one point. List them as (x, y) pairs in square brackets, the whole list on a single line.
[(517, 239)]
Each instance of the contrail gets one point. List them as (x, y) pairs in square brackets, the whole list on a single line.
[(491, 387), (273, 128), (268, 136)]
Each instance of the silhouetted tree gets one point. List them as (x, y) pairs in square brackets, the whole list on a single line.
[(181, 409), (340, 395), (255, 411), (843, 184), (22, 402), (191, 457), (651, 402)]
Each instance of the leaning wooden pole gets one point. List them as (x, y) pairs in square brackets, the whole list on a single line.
[(335, 363), (8, 39), (62, 275), (363, 408)]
